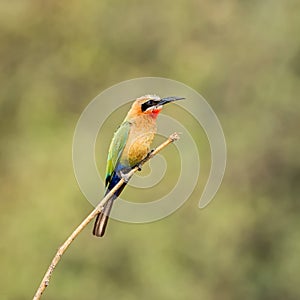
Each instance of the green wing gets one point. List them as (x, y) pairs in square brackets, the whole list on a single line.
[(116, 148)]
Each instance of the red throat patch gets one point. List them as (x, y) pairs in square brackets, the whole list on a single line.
[(155, 112)]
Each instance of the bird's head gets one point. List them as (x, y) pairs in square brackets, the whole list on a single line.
[(150, 105)]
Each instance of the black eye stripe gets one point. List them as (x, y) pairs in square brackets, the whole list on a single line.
[(148, 104)]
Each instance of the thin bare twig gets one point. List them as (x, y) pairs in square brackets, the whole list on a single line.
[(62, 249)]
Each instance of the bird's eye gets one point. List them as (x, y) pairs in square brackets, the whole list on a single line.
[(148, 104)]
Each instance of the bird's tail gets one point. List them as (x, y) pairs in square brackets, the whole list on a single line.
[(103, 216)]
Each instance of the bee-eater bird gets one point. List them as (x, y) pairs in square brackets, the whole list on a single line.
[(129, 146)]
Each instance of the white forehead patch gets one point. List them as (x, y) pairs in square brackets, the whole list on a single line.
[(154, 97)]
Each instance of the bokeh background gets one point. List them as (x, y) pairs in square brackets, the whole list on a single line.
[(242, 56)]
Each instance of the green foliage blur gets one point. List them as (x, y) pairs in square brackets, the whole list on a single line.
[(243, 57)]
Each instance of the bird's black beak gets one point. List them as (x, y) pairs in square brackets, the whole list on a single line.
[(166, 100)]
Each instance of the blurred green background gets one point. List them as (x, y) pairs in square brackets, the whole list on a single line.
[(242, 56)]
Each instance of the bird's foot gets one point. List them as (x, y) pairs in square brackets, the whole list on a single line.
[(149, 154), (139, 167), (140, 164)]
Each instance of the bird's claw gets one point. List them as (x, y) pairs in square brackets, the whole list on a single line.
[(140, 164), (149, 153), (139, 167)]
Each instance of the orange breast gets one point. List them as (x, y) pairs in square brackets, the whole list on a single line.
[(141, 135), (139, 148)]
